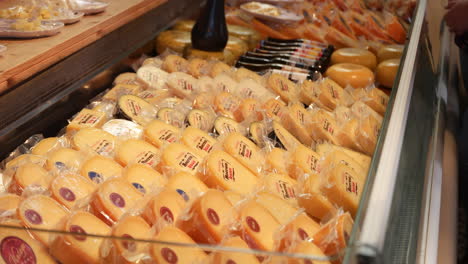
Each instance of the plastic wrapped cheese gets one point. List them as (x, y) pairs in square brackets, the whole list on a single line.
[(310, 249), (277, 161), (23, 159), (187, 185), (225, 125), (353, 55), (182, 84), (70, 189), (200, 119), (144, 178), (222, 257), (245, 151), (273, 107), (199, 141), (281, 210), (243, 73), (283, 87), (281, 185), (30, 175), (98, 169), (8, 204), (137, 109), (362, 159), (355, 75), (301, 228), (322, 126), (294, 118), (165, 207), (160, 133), (178, 157), (219, 68), (86, 118), (94, 140), (174, 63), (282, 138), (304, 160), (333, 237), (64, 159), (172, 39), (46, 145), (128, 251), (152, 76), (137, 151), (386, 72), (315, 203), (390, 52), (227, 104)]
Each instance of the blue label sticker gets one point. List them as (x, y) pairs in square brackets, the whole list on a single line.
[(95, 177), (139, 187), (60, 165), (183, 194)]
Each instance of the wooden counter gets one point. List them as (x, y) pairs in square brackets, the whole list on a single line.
[(24, 58)]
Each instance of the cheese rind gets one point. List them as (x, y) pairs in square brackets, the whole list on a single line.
[(70, 189), (144, 178), (386, 72), (130, 227), (137, 109), (281, 210), (355, 75), (165, 207), (198, 140), (30, 175), (64, 159), (223, 257), (282, 186), (98, 169), (283, 87), (245, 151), (178, 157), (94, 140), (45, 145), (187, 185), (353, 55), (160, 133), (137, 151), (86, 118)]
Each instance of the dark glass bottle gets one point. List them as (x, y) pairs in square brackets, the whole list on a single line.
[(210, 31)]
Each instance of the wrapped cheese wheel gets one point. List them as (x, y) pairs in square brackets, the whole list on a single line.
[(174, 40), (178, 157), (45, 145), (199, 141), (386, 72), (304, 160), (222, 257), (198, 67), (128, 251), (356, 56), (281, 210), (390, 52), (30, 175), (187, 185), (137, 109), (200, 119), (144, 178), (307, 248), (233, 197), (334, 235), (294, 119), (86, 118), (322, 126), (69, 189), (273, 107), (160, 133), (174, 63), (99, 168), (283, 87), (355, 75), (301, 228), (362, 159), (25, 158), (182, 84), (94, 140), (8, 204), (281, 185), (245, 151), (219, 68), (64, 159), (225, 125), (165, 207), (313, 201), (137, 151)]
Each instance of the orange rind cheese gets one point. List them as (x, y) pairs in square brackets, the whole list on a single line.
[(165, 207), (178, 157), (199, 141), (98, 169), (137, 151), (94, 140), (160, 133), (333, 237), (356, 56), (64, 159), (390, 52), (70, 189), (175, 63), (245, 151), (282, 186), (130, 227), (30, 175), (301, 228), (8, 204), (46, 145), (144, 178), (227, 257), (322, 126), (386, 72), (354, 75), (304, 160)]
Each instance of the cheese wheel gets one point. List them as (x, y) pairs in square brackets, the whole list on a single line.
[(304, 160), (198, 67), (245, 151), (301, 228), (233, 197), (98, 169), (160, 133), (228, 257), (152, 76), (386, 72), (165, 207), (377, 100), (24, 159), (227, 104), (346, 74), (175, 63), (123, 128), (258, 226), (137, 109), (356, 56), (174, 40), (30, 175), (210, 217), (313, 201), (273, 107), (225, 125), (243, 73), (153, 96), (223, 83), (281, 185), (219, 68), (144, 178), (46, 145), (226, 55), (187, 185), (177, 157), (276, 161), (198, 140), (390, 52), (19, 247), (86, 118), (78, 247), (362, 159), (117, 91), (333, 237), (129, 228), (64, 159), (8, 204), (182, 84), (41, 212), (281, 210), (310, 249), (283, 87), (137, 151), (94, 140), (249, 88), (114, 198), (258, 133), (294, 118), (322, 126), (200, 119), (282, 138), (225, 172), (70, 189), (169, 254)]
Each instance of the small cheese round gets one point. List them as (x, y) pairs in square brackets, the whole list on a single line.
[(354, 55), (223, 83), (174, 40), (130, 227), (125, 77), (281, 210), (160, 133), (94, 140), (200, 119), (198, 140), (144, 178), (177, 157), (23, 159), (198, 67), (171, 116), (390, 52), (386, 72), (9, 203), (225, 125), (64, 158), (333, 237), (152, 76), (30, 175), (223, 257), (187, 185), (136, 109), (227, 104), (98, 169), (355, 75), (153, 96), (165, 207), (45, 145), (175, 63), (137, 151), (69, 189)]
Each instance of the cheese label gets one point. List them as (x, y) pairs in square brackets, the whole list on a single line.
[(185, 85), (117, 200), (86, 119), (314, 164), (183, 194), (243, 149), (300, 117), (227, 170), (79, 230), (228, 128), (168, 136), (147, 157), (169, 255), (302, 234), (350, 183), (204, 144), (129, 245), (286, 191), (14, 250), (139, 187), (67, 194), (212, 216), (103, 146), (252, 224), (166, 213), (334, 93), (95, 177), (282, 85), (134, 107), (188, 161), (33, 217), (198, 119), (328, 126)]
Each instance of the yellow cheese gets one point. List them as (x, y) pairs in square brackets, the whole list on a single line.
[(137, 151), (225, 125), (174, 40), (125, 77), (198, 140), (177, 157), (64, 158), (137, 109), (160, 133), (131, 227), (367, 134), (200, 119), (206, 84), (153, 96), (165, 207), (386, 72), (245, 151), (361, 109), (8, 204), (281, 185), (283, 87), (233, 197), (310, 92), (210, 218), (258, 226), (243, 73), (123, 128), (41, 212), (30, 175), (231, 257), (219, 68), (333, 237), (332, 94), (304, 160), (144, 178), (203, 101), (354, 55), (301, 228), (334, 157), (377, 100), (175, 63), (182, 84), (277, 161), (343, 114), (95, 140), (224, 83), (71, 189), (281, 210), (362, 159), (294, 118), (310, 249), (225, 172), (250, 110), (390, 52), (119, 90), (258, 133), (313, 201), (198, 67), (355, 75), (322, 126), (152, 76), (273, 107), (99, 168), (19, 247), (78, 247), (24, 159), (282, 137), (187, 185), (114, 198), (46, 145), (346, 135), (170, 254), (249, 88), (171, 116), (227, 104), (86, 118)]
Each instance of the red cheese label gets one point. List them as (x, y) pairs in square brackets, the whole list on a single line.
[(148, 158), (203, 144), (127, 244), (33, 217), (185, 85), (86, 119), (252, 224), (81, 234), (314, 164), (212, 216), (243, 149), (286, 191), (227, 170), (189, 161), (166, 214), (134, 107), (103, 146), (350, 183), (117, 200), (67, 194), (302, 234), (168, 136), (328, 127), (169, 255), (14, 250)]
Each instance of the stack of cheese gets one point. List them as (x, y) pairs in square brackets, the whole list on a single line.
[(208, 154)]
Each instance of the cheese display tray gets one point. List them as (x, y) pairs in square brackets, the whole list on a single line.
[(47, 29)]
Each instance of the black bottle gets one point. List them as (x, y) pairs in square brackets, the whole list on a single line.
[(210, 31)]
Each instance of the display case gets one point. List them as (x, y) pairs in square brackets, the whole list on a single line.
[(412, 169)]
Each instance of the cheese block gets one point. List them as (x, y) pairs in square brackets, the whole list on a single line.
[(304, 160), (198, 67), (343, 114), (346, 135), (333, 237), (206, 83), (315, 203), (152, 76), (231, 257), (182, 84), (144, 178), (24, 159), (227, 104), (225, 125), (203, 101), (245, 151), (160, 133), (175, 63), (136, 109), (153, 96), (187, 185), (17, 246), (46, 145), (233, 197), (361, 109), (219, 68), (281, 210), (367, 134), (123, 128), (243, 73), (94, 140), (332, 95), (277, 161), (70, 189), (41, 212), (258, 226), (377, 100), (301, 228), (310, 92), (249, 88), (125, 78), (137, 151), (170, 254), (98, 169), (258, 133), (86, 118), (165, 207), (390, 52), (354, 75), (310, 249), (171, 116), (117, 91), (114, 198), (64, 159), (273, 107), (334, 157), (198, 140), (294, 118), (386, 72), (362, 159), (250, 109), (109, 108), (282, 138), (354, 55), (78, 247), (129, 228), (30, 175), (223, 83), (225, 172), (8, 204), (210, 217), (178, 157), (281, 185), (283, 87), (200, 119), (322, 126)]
